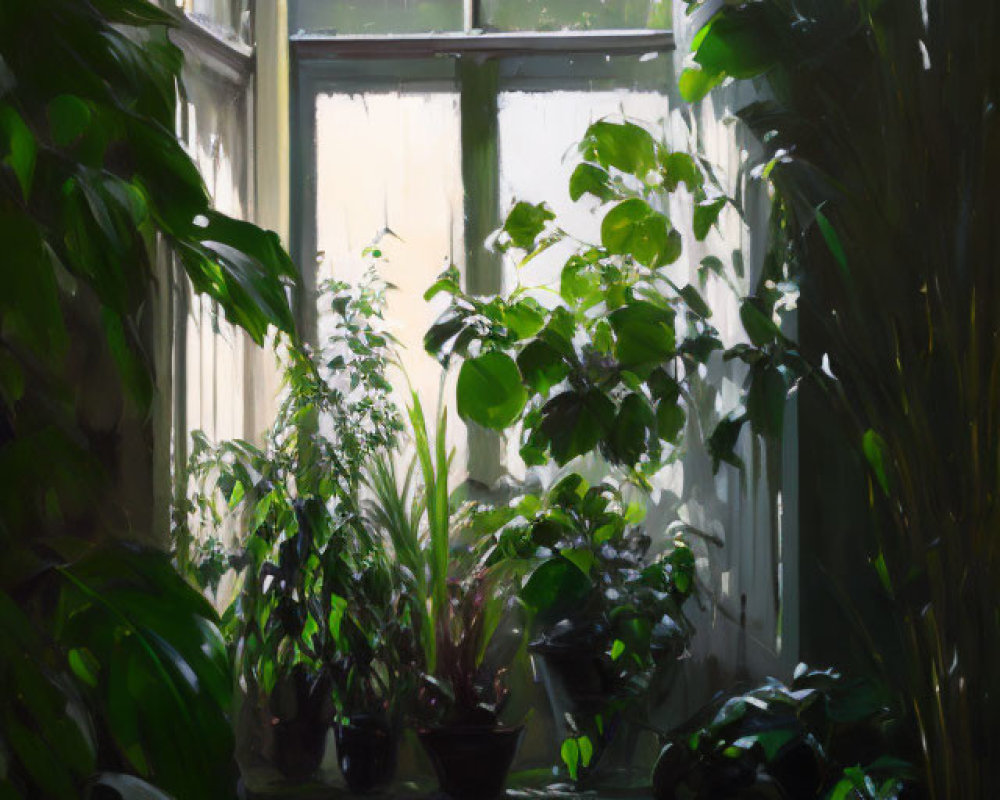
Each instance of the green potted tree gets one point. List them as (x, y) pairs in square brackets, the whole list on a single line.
[(314, 625)]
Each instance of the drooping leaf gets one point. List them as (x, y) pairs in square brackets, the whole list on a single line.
[(622, 145), (590, 179), (525, 222)]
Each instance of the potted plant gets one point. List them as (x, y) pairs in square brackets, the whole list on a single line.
[(464, 611), (313, 624), (803, 740), (606, 615)]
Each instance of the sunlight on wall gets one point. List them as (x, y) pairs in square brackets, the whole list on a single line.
[(388, 173)]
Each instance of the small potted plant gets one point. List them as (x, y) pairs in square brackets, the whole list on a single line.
[(606, 615), (464, 612), (303, 556)]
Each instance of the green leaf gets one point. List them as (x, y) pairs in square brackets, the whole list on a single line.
[(524, 319), (617, 648), (633, 425), (670, 418), (69, 116), (634, 228), (833, 242), (709, 264), (18, 148), (678, 168), (555, 588), (695, 83), (573, 423), (645, 335), (489, 391), (570, 754), (766, 400), (541, 366), (760, 328), (580, 283), (582, 557), (739, 43), (877, 454), (525, 222), (590, 179), (622, 145), (705, 216), (695, 301), (586, 750)]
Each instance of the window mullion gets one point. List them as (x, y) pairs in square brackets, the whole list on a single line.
[(479, 89)]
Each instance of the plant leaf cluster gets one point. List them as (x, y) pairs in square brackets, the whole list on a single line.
[(807, 739), (605, 369)]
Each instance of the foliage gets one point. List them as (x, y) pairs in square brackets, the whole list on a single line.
[(607, 369), (798, 741), (110, 661), (458, 602), (880, 140), (320, 594), (586, 564)]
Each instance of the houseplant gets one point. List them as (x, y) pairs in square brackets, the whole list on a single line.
[(91, 178), (807, 739), (605, 615), (879, 133), (464, 611), (314, 626)]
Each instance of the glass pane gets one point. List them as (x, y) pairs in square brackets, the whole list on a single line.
[(536, 168), (388, 172), (548, 15), (374, 16), (215, 121), (229, 17)]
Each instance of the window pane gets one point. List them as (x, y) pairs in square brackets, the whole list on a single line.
[(547, 15), (374, 16), (229, 17), (388, 172), (537, 167)]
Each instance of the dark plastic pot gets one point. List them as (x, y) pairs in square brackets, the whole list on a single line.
[(367, 751), (471, 762), (299, 746)]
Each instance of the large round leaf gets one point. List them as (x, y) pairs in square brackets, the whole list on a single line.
[(634, 228), (490, 392)]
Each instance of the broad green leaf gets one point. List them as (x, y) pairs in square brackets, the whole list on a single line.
[(644, 334), (586, 750), (525, 222), (573, 423), (633, 426), (69, 117), (524, 319), (622, 145), (541, 367), (590, 179), (760, 328), (617, 649), (766, 400), (695, 83), (555, 588), (740, 43), (678, 168), (570, 754), (634, 228), (489, 391)]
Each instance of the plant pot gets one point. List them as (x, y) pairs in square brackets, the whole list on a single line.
[(298, 747), (471, 762), (367, 751)]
